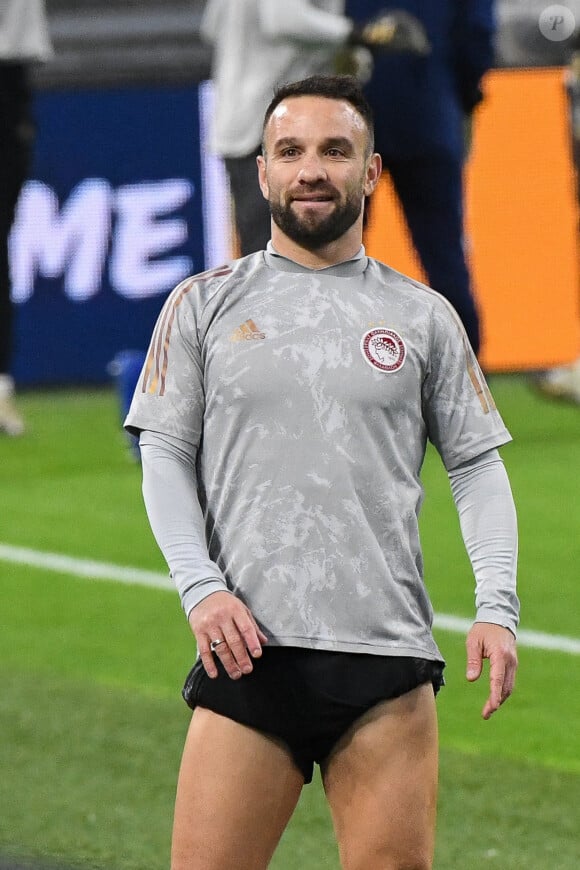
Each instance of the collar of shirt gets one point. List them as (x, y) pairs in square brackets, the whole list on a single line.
[(348, 269)]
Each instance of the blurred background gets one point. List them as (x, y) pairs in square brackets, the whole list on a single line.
[(124, 199)]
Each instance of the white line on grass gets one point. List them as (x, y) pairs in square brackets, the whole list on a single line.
[(125, 574), (83, 567)]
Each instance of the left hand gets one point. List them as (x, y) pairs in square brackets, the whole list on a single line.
[(496, 643), (354, 60), (395, 30)]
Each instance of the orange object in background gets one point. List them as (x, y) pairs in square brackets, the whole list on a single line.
[(521, 223)]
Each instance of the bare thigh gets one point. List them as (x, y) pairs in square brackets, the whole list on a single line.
[(236, 791), (381, 784)]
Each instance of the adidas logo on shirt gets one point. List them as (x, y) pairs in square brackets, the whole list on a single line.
[(248, 331)]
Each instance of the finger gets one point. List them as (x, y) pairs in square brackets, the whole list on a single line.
[(496, 685), (226, 651), (510, 677), (474, 659), (239, 653), (252, 635), (474, 667), (509, 683), (226, 657), (207, 658), (242, 636)]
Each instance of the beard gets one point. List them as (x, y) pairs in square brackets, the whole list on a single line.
[(315, 232)]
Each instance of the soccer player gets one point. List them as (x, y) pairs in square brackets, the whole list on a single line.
[(283, 412)]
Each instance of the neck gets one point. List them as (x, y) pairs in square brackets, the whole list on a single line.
[(319, 258)]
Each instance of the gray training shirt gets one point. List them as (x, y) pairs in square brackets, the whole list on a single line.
[(309, 397)]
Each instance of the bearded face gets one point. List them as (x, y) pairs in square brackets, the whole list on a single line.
[(318, 215), (316, 169)]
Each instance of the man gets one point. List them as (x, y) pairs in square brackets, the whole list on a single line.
[(423, 108), (24, 41), (283, 413), (259, 45)]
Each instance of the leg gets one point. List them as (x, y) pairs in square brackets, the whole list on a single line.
[(381, 784), (16, 135), (236, 792), (252, 210), (431, 195)]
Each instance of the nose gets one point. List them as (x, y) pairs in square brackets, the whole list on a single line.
[(311, 169)]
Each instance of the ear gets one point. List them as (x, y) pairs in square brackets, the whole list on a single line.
[(373, 173), (262, 180)]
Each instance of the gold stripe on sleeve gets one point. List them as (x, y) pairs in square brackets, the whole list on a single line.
[(156, 364)]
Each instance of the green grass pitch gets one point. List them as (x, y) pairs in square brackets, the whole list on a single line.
[(91, 719)]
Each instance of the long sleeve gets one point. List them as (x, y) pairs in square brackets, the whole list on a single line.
[(175, 516), (301, 20), (487, 516), (210, 22)]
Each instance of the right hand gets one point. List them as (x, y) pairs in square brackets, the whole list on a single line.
[(222, 616), (496, 643)]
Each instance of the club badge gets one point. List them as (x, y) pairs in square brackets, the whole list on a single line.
[(383, 349)]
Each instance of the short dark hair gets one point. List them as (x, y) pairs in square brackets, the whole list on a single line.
[(345, 88)]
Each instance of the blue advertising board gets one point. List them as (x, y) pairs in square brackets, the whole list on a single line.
[(114, 215)]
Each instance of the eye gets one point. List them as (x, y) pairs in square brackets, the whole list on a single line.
[(335, 152), (289, 152)]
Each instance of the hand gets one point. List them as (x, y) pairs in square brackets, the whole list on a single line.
[(396, 30), (496, 643), (221, 616), (354, 60)]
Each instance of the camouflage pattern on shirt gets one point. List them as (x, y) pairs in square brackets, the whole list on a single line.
[(310, 397)]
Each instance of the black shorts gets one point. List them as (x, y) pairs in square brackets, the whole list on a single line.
[(308, 698)]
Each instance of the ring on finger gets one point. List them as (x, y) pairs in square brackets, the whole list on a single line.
[(215, 643)]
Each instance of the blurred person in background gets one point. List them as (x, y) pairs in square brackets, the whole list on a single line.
[(260, 44), (521, 42), (24, 40), (423, 107), (563, 382)]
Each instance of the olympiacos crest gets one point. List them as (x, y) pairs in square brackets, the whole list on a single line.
[(383, 349)]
